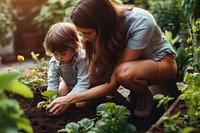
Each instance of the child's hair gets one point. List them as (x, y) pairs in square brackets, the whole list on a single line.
[(60, 37)]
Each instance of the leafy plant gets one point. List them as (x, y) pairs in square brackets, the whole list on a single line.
[(7, 22), (25, 13), (189, 121), (41, 64), (49, 95), (82, 126), (12, 119), (113, 119), (169, 37), (170, 16), (51, 12), (163, 100), (36, 78)]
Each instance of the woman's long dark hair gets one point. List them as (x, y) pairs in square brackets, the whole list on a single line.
[(103, 55)]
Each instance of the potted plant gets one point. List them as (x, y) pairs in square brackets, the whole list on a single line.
[(28, 35), (8, 28), (51, 12)]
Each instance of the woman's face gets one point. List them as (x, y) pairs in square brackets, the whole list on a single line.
[(65, 56), (88, 34)]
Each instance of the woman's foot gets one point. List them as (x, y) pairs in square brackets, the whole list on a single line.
[(143, 108)]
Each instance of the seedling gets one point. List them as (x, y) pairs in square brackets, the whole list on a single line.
[(163, 100), (49, 95)]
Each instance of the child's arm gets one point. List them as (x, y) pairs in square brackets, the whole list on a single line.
[(83, 81), (53, 76)]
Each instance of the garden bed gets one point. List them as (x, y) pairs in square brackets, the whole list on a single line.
[(42, 123), (177, 106)]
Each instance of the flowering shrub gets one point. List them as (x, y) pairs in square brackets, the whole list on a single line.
[(35, 78)]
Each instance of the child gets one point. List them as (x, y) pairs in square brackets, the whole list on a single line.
[(67, 62)]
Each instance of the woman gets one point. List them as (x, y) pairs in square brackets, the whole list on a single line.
[(122, 48)]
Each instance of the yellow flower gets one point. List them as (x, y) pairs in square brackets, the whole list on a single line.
[(20, 58), (9, 69)]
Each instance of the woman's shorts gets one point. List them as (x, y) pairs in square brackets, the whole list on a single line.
[(167, 68)]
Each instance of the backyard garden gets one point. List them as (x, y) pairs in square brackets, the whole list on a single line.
[(22, 88)]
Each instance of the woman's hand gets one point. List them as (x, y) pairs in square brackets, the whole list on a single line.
[(58, 106)]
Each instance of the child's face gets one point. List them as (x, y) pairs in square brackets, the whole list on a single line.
[(65, 56)]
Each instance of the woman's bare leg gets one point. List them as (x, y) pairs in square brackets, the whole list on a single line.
[(137, 76)]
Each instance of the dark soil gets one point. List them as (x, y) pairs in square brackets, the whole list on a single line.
[(42, 123)]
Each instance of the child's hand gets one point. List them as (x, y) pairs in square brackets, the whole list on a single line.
[(41, 105)]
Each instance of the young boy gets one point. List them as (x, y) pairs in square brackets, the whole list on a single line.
[(67, 71)]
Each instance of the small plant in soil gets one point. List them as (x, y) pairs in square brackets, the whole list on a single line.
[(49, 95), (163, 100), (189, 120)]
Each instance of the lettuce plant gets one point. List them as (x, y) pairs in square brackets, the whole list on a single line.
[(112, 119)]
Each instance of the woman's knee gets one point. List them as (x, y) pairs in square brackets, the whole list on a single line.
[(123, 74)]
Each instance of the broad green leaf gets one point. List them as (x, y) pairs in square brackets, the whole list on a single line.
[(11, 117), (72, 127), (181, 86), (86, 123), (44, 10), (6, 78), (188, 130), (49, 93), (19, 88), (24, 124), (131, 129)]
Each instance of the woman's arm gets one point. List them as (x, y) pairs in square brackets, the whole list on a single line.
[(60, 104)]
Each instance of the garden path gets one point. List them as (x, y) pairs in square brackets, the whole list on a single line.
[(27, 64)]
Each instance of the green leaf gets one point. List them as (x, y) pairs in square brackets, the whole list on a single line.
[(44, 10), (72, 127), (49, 93), (19, 88), (11, 117), (188, 130), (6, 78), (131, 129), (86, 123), (181, 86), (24, 124), (158, 96)]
